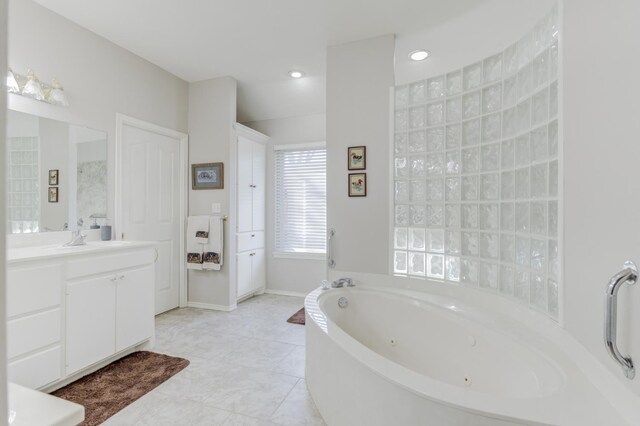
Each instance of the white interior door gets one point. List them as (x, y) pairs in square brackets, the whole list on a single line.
[(152, 202)]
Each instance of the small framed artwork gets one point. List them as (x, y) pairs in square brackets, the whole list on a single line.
[(53, 194), (357, 184), (357, 157), (207, 176), (53, 177)]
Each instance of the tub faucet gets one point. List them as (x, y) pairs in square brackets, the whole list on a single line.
[(340, 282)]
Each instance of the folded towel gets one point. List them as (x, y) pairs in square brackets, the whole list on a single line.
[(214, 248), (194, 257), (198, 228)]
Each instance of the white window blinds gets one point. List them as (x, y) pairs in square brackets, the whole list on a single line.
[(301, 199)]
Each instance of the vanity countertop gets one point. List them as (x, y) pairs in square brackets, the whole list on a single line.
[(29, 407), (58, 250)]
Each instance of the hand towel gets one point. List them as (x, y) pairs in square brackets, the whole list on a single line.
[(195, 246), (214, 248), (198, 228)]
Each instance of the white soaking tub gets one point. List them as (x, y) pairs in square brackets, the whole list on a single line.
[(401, 357)]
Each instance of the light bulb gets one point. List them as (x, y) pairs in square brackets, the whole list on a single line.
[(419, 55)]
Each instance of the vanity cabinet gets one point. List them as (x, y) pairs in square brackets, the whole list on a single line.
[(75, 311), (107, 314), (250, 224), (34, 323)]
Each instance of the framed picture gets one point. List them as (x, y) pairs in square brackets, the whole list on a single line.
[(53, 177), (357, 184), (357, 157), (207, 176), (53, 194)]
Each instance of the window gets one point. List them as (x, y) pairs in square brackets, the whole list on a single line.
[(301, 198)]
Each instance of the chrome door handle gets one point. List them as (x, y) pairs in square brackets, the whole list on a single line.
[(628, 275)]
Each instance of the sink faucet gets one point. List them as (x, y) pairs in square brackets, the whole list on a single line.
[(77, 237), (340, 282)]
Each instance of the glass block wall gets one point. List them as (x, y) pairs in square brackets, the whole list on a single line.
[(476, 173), (23, 189)]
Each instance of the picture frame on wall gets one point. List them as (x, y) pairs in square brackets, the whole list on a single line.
[(53, 194), (53, 176), (207, 176), (357, 184), (357, 157)]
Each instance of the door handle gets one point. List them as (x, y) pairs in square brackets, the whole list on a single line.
[(628, 275)]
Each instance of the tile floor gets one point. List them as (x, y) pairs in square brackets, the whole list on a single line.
[(247, 368)]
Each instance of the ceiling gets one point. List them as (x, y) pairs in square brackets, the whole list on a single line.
[(255, 41)]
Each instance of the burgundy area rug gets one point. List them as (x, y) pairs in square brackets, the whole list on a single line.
[(297, 318), (110, 389)]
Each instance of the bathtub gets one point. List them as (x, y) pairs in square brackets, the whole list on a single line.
[(403, 357)]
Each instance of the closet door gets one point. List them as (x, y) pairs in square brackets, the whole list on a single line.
[(259, 193), (259, 270), (244, 273), (245, 184)]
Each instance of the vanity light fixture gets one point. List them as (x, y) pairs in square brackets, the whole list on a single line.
[(33, 88), (12, 83), (419, 55), (56, 94), (296, 74)]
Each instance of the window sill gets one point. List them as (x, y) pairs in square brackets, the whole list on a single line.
[(304, 256)]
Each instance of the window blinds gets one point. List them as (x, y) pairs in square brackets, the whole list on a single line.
[(301, 199)]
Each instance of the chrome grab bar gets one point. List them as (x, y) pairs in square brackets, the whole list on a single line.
[(330, 261), (628, 275)]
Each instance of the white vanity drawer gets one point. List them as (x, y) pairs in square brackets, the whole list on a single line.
[(36, 370), (33, 288), (29, 333), (108, 263), (250, 240)]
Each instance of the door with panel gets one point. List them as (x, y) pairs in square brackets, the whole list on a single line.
[(244, 273), (150, 210), (245, 185), (90, 322), (134, 307), (258, 174)]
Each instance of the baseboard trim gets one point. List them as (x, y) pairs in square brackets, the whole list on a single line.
[(284, 292), (211, 306)]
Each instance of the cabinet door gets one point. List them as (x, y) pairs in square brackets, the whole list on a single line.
[(245, 185), (91, 323), (258, 270), (259, 192), (244, 274), (134, 307)]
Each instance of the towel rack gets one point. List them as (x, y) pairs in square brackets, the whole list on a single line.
[(628, 275)]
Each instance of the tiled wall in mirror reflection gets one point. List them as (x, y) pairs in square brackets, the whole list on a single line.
[(476, 173), (23, 188)]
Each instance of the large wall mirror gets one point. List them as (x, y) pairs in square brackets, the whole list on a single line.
[(57, 174)]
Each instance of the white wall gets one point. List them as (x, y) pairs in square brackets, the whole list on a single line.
[(289, 275), (54, 154), (212, 115), (601, 173), (99, 77), (3, 300), (480, 32), (359, 76)]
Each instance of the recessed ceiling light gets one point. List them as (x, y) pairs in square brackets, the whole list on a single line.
[(419, 55), (296, 74)]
